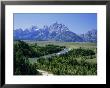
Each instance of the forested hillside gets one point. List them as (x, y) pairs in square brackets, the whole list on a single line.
[(29, 57)]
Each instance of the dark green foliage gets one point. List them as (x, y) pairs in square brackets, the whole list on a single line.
[(68, 64), (23, 51), (26, 50), (22, 66), (65, 64), (53, 48), (48, 49), (67, 67), (81, 52)]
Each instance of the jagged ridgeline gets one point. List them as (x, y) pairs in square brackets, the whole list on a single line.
[(55, 32)]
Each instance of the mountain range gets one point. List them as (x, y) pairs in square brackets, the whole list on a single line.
[(54, 32)]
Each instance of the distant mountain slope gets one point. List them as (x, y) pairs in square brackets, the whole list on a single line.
[(57, 32), (90, 36)]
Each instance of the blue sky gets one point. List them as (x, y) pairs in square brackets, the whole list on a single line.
[(76, 22)]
